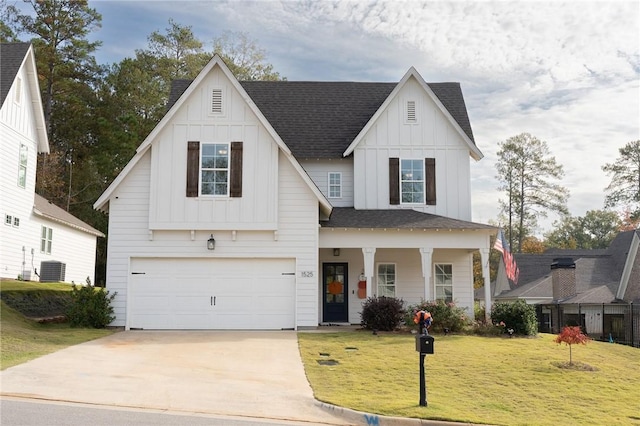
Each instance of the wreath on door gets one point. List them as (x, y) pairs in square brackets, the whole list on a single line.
[(335, 288)]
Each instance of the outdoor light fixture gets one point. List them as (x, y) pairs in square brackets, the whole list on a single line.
[(336, 252), (211, 243)]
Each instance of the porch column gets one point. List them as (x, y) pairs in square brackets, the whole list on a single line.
[(426, 253), (484, 258), (369, 254)]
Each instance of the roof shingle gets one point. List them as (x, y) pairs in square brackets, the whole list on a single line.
[(11, 58)]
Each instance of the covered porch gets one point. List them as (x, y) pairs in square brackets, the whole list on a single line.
[(401, 253)]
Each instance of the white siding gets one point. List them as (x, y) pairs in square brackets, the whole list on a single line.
[(296, 237), (74, 248), (318, 171), (257, 208), (432, 136)]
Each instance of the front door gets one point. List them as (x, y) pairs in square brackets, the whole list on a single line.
[(334, 290)]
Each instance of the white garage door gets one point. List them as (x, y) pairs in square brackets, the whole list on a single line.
[(182, 294)]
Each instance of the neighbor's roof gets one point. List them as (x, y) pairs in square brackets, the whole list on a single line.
[(348, 217), (320, 119), (598, 272), (44, 208), (11, 58)]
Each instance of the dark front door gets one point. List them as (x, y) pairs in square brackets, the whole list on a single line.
[(334, 291)]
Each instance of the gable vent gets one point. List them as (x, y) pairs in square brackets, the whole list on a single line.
[(411, 111), (216, 101)]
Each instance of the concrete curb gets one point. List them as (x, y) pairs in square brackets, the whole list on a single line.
[(369, 419)]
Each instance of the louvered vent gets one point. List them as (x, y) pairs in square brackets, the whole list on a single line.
[(216, 101), (411, 111)]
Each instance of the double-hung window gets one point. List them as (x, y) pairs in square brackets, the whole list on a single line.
[(386, 279), (46, 240), (444, 282), (214, 169), (335, 185), (22, 166), (412, 181)]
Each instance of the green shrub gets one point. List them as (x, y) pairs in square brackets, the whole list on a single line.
[(382, 313), (445, 315), (90, 307), (519, 316)]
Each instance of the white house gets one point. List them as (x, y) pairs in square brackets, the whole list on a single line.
[(284, 205), (35, 234)]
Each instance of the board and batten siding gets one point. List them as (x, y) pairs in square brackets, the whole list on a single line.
[(296, 237), (431, 136), (318, 171), (257, 208), (17, 126)]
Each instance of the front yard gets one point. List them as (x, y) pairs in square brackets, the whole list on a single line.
[(475, 379)]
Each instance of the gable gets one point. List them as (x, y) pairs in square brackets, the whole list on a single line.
[(17, 59), (321, 119)]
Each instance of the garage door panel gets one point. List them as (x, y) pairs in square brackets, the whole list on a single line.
[(180, 293)]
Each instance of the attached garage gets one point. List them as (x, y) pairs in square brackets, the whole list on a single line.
[(217, 294)]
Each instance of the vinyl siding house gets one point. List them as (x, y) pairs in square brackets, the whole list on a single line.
[(35, 234), (284, 205), (596, 289)]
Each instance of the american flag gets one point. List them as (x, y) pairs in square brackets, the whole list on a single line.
[(502, 245)]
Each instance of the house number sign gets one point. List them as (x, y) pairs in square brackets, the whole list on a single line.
[(306, 274)]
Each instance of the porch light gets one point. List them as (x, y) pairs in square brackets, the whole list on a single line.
[(211, 243), (336, 252)]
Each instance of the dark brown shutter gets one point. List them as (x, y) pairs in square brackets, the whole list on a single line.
[(430, 180), (394, 181), (235, 182), (193, 168)]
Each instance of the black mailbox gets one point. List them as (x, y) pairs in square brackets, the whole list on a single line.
[(424, 344)]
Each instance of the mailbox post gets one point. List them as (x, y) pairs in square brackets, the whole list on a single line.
[(424, 345)]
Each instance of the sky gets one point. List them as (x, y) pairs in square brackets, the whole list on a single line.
[(568, 73)]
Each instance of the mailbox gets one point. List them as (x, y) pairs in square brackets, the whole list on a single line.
[(424, 344)]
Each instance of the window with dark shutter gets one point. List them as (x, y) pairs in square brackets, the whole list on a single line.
[(394, 181), (235, 184), (193, 168), (430, 176)]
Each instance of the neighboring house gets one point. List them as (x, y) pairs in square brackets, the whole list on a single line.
[(271, 205), (596, 289), (35, 234)]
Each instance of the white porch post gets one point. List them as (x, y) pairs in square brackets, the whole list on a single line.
[(369, 254), (426, 254), (484, 258)]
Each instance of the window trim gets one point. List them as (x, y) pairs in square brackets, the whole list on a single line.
[(8, 219), (414, 181), (214, 169), (16, 222), (435, 281), (46, 239), (395, 278), (23, 154), (331, 186)]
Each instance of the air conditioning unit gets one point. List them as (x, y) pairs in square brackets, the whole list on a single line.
[(52, 271)]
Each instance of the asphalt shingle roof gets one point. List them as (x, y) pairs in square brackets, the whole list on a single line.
[(11, 57), (46, 208), (348, 217), (598, 272), (320, 119)]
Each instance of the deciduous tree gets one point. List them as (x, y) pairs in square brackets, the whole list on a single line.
[(572, 336), (244, 57), (595, 230), (526, 172)]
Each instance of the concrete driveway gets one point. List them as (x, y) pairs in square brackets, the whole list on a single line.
[(248, 374)]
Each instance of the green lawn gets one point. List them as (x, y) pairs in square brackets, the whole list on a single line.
[(476, 379), (22, 339)]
